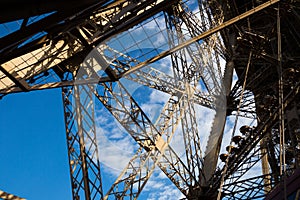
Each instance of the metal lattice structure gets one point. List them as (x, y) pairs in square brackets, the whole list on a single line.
[(191, 51)]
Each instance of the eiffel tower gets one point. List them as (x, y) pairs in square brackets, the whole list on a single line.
[(237, 59)]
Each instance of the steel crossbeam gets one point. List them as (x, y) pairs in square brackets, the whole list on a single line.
[(155, 141)]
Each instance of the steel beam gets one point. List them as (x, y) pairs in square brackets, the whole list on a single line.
[(15, 77)]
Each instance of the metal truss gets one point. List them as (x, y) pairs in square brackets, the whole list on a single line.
[(188, 126), (51, 53), (155, 141), (207, 64), (156, 79), (190, 73), (251, 188), (250, 153), (70, 48), (268, 151), (82, 143), (195, 44)]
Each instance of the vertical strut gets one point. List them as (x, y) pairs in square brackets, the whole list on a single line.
[(82, 143), (188, 74), (281, 109), (216, 134)]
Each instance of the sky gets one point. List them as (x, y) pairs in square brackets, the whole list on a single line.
[(34, 162)]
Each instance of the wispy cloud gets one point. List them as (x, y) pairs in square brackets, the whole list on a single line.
[(164, 190), (116, 146)]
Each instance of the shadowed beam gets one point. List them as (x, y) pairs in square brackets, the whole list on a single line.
[(7, 196), (14, 77)]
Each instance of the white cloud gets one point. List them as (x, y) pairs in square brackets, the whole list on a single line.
[(163, 189), (157, 23), (158, 97), (116, 146), (152, 110), (114, 154)]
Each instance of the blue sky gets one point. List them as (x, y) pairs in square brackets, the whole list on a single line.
[(34, 162)]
